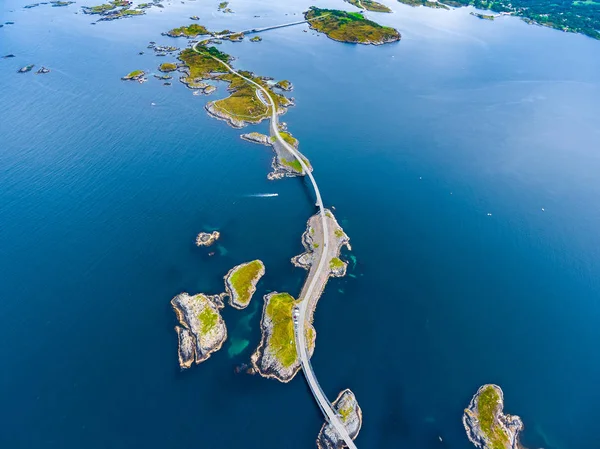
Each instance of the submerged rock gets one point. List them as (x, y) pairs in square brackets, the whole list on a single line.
[(26, 69), (487, 427)]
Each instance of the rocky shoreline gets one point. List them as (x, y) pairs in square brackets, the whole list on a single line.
[(207, 239), (486, 406), (350, 412), (235, 297), (202, 329)]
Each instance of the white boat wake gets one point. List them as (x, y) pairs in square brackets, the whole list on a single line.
[(262, 195)]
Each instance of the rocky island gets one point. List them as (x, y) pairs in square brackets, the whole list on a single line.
[(136, 75), (487, 427), (240, 282), (351, 27), (202, 329), (190, 31), (284, 85), (276, 356), (369, 5), (207, 239), (350, 414)]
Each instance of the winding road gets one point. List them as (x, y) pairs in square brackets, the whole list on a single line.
[(301, 346)]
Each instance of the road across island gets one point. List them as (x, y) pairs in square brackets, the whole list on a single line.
[(300, 334)]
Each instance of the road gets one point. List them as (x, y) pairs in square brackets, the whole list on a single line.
[(301, 346)]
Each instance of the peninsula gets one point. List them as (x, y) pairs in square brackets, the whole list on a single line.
[(202, 329), (351, 27), (346, 406), (240, 282), (487, 427)]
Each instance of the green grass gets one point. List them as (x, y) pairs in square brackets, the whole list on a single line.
[(346, 412), (208, 318), (339, 233), (427, 3), (315, 245), (288, 138), (284, 84), (282, 340), (135, 73), (370, 5), (242, 280), (335, 263), (167, 67), (192, 30), (350, 27), (293, 164), (223, 5), (487, 405)]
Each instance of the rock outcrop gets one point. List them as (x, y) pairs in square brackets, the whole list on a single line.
[(487, 427), (202, 329), (350, 414), (207, 239)]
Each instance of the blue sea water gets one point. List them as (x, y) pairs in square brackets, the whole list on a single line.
[(462, 163)]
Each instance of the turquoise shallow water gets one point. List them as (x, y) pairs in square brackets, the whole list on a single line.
[(101, 195)]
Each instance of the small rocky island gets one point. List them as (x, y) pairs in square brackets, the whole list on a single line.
[(240, 282), (487, 427), (207, 239), (136, 75), (351, 27), (202, 329), (350, 414)]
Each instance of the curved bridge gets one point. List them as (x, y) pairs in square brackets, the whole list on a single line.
[(323, 264)]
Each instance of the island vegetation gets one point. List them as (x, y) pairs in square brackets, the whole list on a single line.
[(240, 283), (202, 330), (350, 413), (136, 75), (190, 31), (487, 427), (256, 39), (284, 85), (351, 27), (276, 355), (428, 3), (243, 105), (369, 5), (574, 16), (482, 16), (167, 67)]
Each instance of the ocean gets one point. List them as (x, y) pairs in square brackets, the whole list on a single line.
[(461, 161)]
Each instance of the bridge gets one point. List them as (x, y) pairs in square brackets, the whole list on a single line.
[(323, 264)]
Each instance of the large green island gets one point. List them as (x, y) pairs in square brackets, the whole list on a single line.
[(351, 27)]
